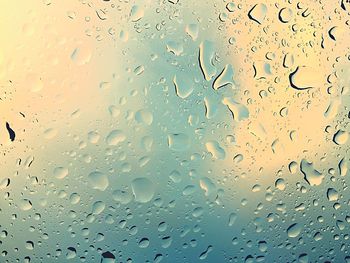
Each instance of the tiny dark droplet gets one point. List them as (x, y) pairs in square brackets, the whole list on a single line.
[(11, 132)]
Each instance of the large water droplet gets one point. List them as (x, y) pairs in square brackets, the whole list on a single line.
[(206, 59), (143, 189), (183, 87), (98, 207), (25, 204), (332, 194), (343, 167), (303, 78), (192, 31), (144, 116), (285, 15), (98, 181), (258, 13), (136, 13), (115, 137), (311, 175), (60, 172), (175, 47), (211, 107), (239, 111), (340, 137), (178, 142), (216, 150), (107, 257), (224, 78), (294, 230)]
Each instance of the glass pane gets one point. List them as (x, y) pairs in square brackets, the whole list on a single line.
[(174, 131)]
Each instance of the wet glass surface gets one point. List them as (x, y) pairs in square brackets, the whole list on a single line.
[(174, 131)]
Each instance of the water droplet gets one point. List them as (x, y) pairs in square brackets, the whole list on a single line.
[(303, 258), (136, 13), (334, 33), (288, 60), (231, 7), (258, 13), (332, 109), (189, 189), (343, 167), (144, 116), (311, 175), (107, 257), (192, 31), (50, 133), (224, 78), (207, 185), (74, 198), (214, 148), (340, 137), (139, 70), (98, 207), (143, 189), (206, 59), (175, 47), (25, 204), (284, 112), (332, 194), (178, 142), (144, 243), (280, 184), (114, 111), (11, 132), (293, 167), (232, 218), (183, 88), (239, 111), (29, 245), (294, 230), (303, 78), (115, 137), (71, 253), (205, 253), (98, 181), (147, 143), (175, 176), (60, 172), (81, 55), (122, 196), (285, 15), (238, 158), (105, 85), (124, 35), (4, 183), (211, 107)]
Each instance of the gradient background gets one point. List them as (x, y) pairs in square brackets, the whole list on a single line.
[(77, 70)]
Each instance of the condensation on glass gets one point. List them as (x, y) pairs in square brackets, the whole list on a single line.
[(174, 131)]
